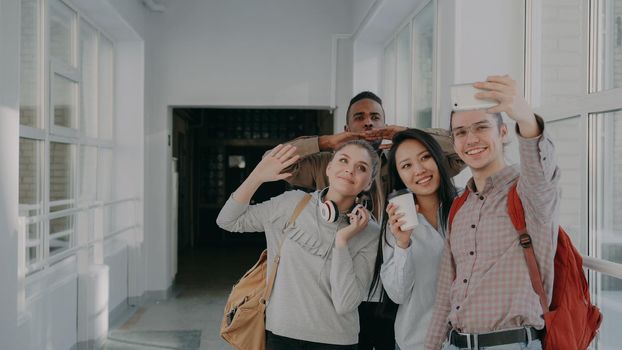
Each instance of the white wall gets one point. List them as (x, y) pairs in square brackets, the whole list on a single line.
[(231, 53), (117, 261), (52, 308), (133, 13), (360, 10), (9, 144)]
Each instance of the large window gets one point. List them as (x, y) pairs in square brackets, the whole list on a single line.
[(66, 108), (609, 45), (408, 71), (580, 76)]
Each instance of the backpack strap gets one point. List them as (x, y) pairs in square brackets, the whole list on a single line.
[(301, 205), (455, 206), (517, 215)]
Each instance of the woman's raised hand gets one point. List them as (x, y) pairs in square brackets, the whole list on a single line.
[(396, 220), (271, 166), (359, 217)]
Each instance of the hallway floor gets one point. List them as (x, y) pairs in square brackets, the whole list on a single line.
[(190, 319)]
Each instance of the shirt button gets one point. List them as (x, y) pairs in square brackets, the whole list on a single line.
[(458, 307), (481, 197), (472, 226), (471, 253), (464, 280)]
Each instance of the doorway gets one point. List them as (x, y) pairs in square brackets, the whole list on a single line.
[(215, 149)]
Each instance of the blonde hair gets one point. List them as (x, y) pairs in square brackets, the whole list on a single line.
[(375, 194)]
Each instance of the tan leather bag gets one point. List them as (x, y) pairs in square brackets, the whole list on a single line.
[(244, 322)]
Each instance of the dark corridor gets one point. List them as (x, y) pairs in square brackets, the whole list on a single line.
[(215, 150)]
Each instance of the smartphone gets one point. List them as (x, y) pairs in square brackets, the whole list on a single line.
[(463, 98)]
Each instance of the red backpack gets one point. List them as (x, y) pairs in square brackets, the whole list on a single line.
[(571, 321)]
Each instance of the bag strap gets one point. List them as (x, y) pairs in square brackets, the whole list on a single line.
[(301, 205), (517, 215), (455, 206)]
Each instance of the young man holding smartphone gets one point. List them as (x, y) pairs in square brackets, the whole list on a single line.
[(485, 297)]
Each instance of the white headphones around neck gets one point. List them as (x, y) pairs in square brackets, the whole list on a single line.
[(329, 210)]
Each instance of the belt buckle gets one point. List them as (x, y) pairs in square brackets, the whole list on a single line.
[(470, 346)]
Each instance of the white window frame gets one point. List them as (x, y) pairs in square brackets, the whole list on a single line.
[(392, 99), (75, 137)]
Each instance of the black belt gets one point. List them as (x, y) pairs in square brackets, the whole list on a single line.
[(495, 338)]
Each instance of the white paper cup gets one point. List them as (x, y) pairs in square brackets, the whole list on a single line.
[(405, 202)]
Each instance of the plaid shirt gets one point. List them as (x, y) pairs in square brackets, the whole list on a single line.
[(483, 280)]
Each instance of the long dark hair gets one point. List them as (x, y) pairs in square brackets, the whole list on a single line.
[(446, 194)]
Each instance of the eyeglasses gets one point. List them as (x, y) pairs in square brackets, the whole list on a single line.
[(479, 128)]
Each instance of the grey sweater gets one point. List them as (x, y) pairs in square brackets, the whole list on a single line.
[(318, 286)]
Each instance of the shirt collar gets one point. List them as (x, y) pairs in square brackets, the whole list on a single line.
[(500, 179)]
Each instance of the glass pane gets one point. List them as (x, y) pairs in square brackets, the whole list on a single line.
[(104, 171), (88, 64), (30, 107), (88, 174), (30, 167), (34, 244), (388, 98), (404, 78), (33, 231), (33, 255), (61, 175), (423, 41), (570, 146), (106, 73), (610, 45), (62, 230), (64, 93), (609, 298), (62, 28), (609, 230), (562, 51)]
